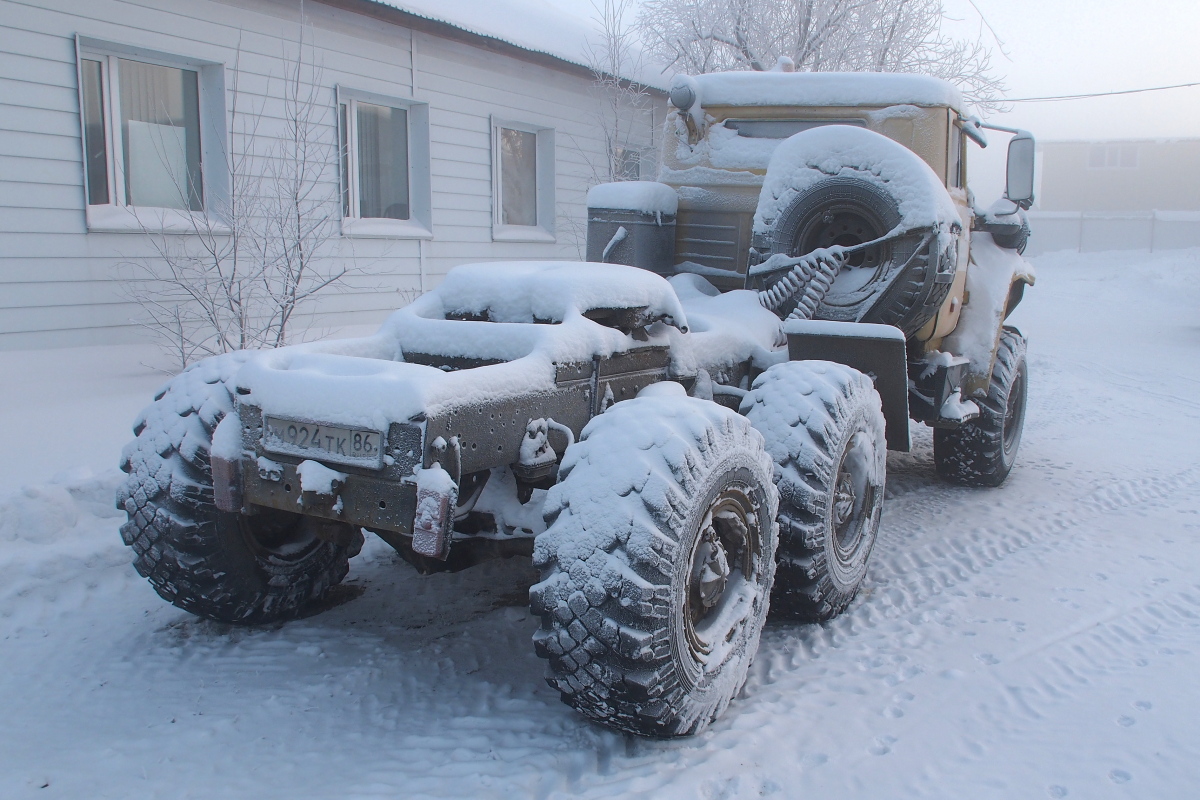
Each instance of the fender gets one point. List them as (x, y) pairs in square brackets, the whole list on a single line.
[(877, 351)]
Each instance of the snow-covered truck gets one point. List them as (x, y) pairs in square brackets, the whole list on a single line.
[(685, 430)]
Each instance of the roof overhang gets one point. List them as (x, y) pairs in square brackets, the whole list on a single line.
[(387, 12)]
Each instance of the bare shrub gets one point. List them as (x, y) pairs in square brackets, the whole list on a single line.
[(245, 267)]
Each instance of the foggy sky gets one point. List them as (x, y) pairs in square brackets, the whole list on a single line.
[(1073, 47)]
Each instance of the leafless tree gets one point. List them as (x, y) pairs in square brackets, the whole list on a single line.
[(300, 202), (623, 105), (698, 36), (259, 251)]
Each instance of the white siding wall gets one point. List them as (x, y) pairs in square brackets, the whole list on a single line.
[(60, 285)]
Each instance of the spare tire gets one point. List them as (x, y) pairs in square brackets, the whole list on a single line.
[(902, 282), (845, 185)]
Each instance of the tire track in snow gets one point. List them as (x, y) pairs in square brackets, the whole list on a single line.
[(903, 578), (1096, 668), (1103, 647), (865, 654)]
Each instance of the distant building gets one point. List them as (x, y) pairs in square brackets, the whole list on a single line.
[(1118, 195), (1134, 175)]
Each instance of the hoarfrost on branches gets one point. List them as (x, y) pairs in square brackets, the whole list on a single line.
[(701, 36), (624, 108)]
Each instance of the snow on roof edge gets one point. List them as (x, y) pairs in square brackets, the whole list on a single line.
[(581, 33)]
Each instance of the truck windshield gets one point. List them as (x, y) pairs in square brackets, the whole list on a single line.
[(783, 128)]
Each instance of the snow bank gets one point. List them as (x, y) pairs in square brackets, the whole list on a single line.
[(37, 514), (851, 152), (646, 197), (50, 544), (824, 89)]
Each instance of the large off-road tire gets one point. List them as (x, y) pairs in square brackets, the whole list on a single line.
[(824, 429), (218, 565), (894, 283), (982, 452), (656, 565)]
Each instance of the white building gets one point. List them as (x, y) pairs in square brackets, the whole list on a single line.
[(117, 116), (1130, 194)]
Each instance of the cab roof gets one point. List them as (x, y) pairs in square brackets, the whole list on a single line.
[(825, 89)]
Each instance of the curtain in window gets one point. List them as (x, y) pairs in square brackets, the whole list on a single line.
[(518, 177), (160, 128), (382, 162)]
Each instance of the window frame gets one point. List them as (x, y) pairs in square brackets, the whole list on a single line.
[(956, 156), (419, 224), (117, 217), (1119, 149), (544, 180)]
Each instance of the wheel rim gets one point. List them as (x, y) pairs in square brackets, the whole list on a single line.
[(853, 499), (722, 573), (846, 224), (279, 536)]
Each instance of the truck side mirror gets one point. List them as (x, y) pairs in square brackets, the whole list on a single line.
[(1019, 187)]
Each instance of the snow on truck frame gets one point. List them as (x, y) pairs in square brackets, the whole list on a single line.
[(684, 430)]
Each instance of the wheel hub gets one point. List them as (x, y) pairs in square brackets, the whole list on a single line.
[(846, 226), (853, 497), (712, 568), (844, 499), (723, 560), (279, 536)]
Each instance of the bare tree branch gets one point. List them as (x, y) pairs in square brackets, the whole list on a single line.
[(699, 36), (252, 259)]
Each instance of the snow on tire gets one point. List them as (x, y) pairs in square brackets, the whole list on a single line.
[(983, 451), (824, 429), (656, 565), (837, 185), (219, 565)]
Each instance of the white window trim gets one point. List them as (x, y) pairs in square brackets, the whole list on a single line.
[(544, 163), (419, 225), (116, 217), (1118, 147)]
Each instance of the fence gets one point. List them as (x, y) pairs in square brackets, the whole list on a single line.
[(1091, 232)]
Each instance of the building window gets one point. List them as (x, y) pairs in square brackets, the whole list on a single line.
[(144, 145), (385, 165), (522, 182), (627, 164), (1113, 156)]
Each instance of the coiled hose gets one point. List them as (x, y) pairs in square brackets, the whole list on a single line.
[(810, 277), (812, 274)]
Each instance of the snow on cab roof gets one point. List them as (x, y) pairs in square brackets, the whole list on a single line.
[(824, 89)]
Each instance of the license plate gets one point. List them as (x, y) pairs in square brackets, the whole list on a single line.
[(352, 446)]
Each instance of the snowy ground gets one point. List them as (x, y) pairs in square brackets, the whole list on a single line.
[(1037, 640)]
